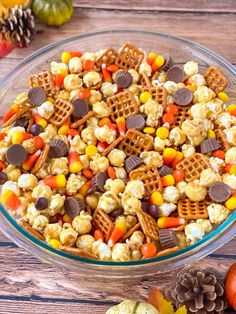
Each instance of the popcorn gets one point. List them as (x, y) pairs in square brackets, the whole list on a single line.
[(197, 80), (130, 204), (145, 68), (46, 109), (85, 242), (166, 209), (225, 120), (177, 136), (52, 231), (64, 95), (74, 183), (75, 65), (209, 177), (49, 132), (229, 179), (120, 253), (136, 240), (135, 75), (117, 186), (91, 78), (58, 68), (135, 188), (215, 107), (82, 223), (230, 156), (152, 107), (77, 144), (120, 173), (85, 160), (216, 163), (152, 120), (194, 232), (68, 235), (21, 98), (152, 159), (101, 250), (194, 130), (12, 186), (43, 172), (72, 81), (190, 68), (188, 150), (101, 109), (27, 181), (29, 146), (40, 223), (96, 96), (129, 220), (136, 90), (88, 136), (205, 223), (42, 190), (199, 111), (88, 56), (105, 134), (58, 166), (13, 173), (108, 202), (217, 213), (171, 87), (31, 213), (231, 135), (92, 200), (56, 204), (203, 94), (195, 192), (116, 157), (92, 122), (171, 194), (160, 144), (3, 149), (99, 163), (108, 89)]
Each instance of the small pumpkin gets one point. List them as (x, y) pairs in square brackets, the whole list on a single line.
[(230, 286), (53, 12), (132, 307)]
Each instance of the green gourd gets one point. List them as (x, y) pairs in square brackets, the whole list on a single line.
[(53, 12)]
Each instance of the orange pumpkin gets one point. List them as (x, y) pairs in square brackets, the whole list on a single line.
[(230, 286)]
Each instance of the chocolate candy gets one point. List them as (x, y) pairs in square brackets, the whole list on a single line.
[(154, 211), (219, 192), (58, 148), (3, 177), (16, 154), (145, 206), (165, 170), (132, 162), (73, 206), (22, 121), (167, 238), (136, 122), (176, 74), (124, 79), (41, 203), (168, 63), (98, 182), (37, 96), (183, 97), (209, 145), (36, 129), (117, 212), (81, 108)]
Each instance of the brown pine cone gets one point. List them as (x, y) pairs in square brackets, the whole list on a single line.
[(201, 292)]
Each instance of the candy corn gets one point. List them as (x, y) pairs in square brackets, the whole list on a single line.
[(38, 142), (112, 68), (19, 137), (72, 132), (121, 125), (170, 222), (151, 57), (167, 180), (156, 198), (179, 156), (64, 128), (169, 155), (31, 160), (98, 235), (84, 188), (119, 230), (55, 182), (75, 164), (13, 110), (10, 199), (158, 62), (39, 119), (2, 165), (102, 146), (106, 74)]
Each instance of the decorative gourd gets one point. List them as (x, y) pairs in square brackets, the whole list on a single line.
[(53, 12), (132, 307)]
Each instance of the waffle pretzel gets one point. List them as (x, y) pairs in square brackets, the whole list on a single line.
[(221, 138), (188, 209), (23, 110), (44, 79), (63, 110), (193, 166), (77, 252), (144, 80), (24, 224), (182, 115), (122, 105), (135, 142), (108, 57), (41, 160), (148, 225), (159, 94), (103, 222), (80, 122), (129, 57), (112, 145), (150, 178), (215, 80)]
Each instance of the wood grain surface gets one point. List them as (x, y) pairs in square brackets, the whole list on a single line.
[(31, 286)]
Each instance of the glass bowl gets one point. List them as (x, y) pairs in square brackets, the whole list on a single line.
[(17, 81)]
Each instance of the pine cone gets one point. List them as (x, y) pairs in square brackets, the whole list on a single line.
[(200, 291), (18, 26)]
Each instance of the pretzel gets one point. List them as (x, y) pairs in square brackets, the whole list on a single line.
[(159, 94), (23, 110), (44, 79), (103, 222), (63, 110), (80, 122), (129, 233), (181, 116), (215, 79), (24, 224), (112, 145), (122, 105), (41, 160), (77, 252), (129, 57), (148, 225), (144, 80), (135, 142), (221, 138), (150, 178), (193, 166), (188, 209), (108, 57)]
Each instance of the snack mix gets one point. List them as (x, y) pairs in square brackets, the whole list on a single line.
[(120, 155)]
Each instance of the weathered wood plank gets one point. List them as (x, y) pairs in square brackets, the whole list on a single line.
[(161, 5)]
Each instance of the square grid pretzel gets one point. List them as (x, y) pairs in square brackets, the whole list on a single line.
[(135, 142), (144, 80), (108, 57), (188, 209), (102, 221), (182, 115), (44, 79), (129, 57), (148, 225), (150, 178), (193, 166), (215, 80), (159, 94), (63, 110), (122, 105)]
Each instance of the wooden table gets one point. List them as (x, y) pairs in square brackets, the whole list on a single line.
[(31, 286)]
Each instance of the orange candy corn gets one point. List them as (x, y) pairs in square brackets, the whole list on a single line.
[(170, 222), (10, 199), (55, 182), (64, 128), (121, 125), (98, 235), (39, 119), (75, 164), (19, 137), (179, 156), (112, 68), (31, 160), (72, 132), (84, 188), (2, 165), (106, 74), (169, 155), (102, 146), (167, 180), (13, 110), (119, 230), (151, 58)]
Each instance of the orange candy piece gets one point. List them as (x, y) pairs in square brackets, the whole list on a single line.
[(219, 154), (179, 156), (2, 165), (111, 172), (58, 80), (55, 182), (118, 231), (112, 68), (87, 173), (2, 136), (84, 188), (170, 222), (169, 155), (167, 180), (84, 93), (178, 175), (31, 160), (148, 249), (106, 74), (98, 235), (75, 164), (172, 109), (13, 110), (88, 65), (11, 200), (121, 125), (38, 142), (102, 146), (168, 118), (232, 109)]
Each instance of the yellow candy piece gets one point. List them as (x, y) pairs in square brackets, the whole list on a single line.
[(211, 134), (156, 198), (232, 169), (17, 137), (65, 57), (159, 61), (75, 166), (145, 96), (63, 129), (193, 88), (149, 130), (91, 150), (232, 109), (55, 243), (162, 132), (231, 203), (223, 96)]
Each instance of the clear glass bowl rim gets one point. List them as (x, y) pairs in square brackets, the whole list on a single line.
[(221, 228)]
